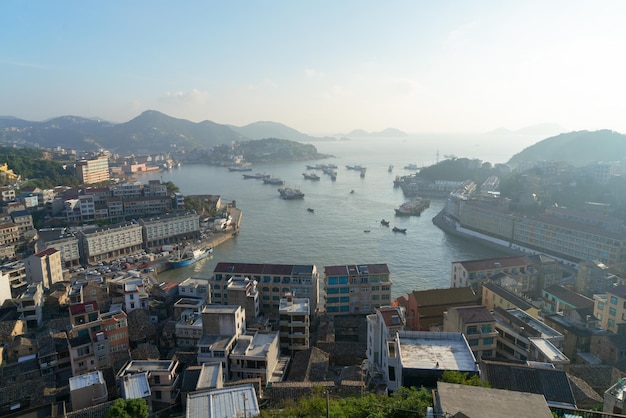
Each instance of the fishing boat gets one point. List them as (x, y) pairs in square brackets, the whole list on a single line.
[(363, 170), (256, 176), (310, 210), (384, 223), (239, 168), (396, 229), (273, 180), (414, 207), (289, 193), (411, 167), (189, 256), (311, 176)]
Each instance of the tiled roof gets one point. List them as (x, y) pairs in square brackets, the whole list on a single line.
[(244, 269), (81, 308), (494, 263), (46, 252), (582, 391), (619, 291), (551, 383), (449, 296), (571, 297), (508, 296), (474, 314), (356, 269)]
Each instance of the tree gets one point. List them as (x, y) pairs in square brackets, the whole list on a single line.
[(131, 408), (171, 187), (463, 379)]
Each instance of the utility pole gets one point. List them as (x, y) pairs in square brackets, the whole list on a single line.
[(327, 404)]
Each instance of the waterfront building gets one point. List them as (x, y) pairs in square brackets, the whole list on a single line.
[(146, 206), (30, 306), (87, 390), (356, 289), (93, 171), (294, 323), (474, 273), (419, 358), (495, 296), (610, 308), (489, 219), (44, 267), (557, 298), (382, 326), (170, 228), (64, 241), (425, 308), (274, 281), (477, 325), (101, 244), (163, 377)]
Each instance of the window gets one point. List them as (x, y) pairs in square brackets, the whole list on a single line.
[(487, 341), (157, 394), (613, 300), (612, 311), (472, 329)]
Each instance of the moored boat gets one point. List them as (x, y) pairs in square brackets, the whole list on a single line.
[(401, 230), (239, 168), (411, 167), (311, 176), (273, 180), (414, 207), (256, 176), (384, 222), (190, 256), (289, 193), (310, 210)]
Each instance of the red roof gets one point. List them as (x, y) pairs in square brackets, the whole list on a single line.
[(46, 252), (80, 308)]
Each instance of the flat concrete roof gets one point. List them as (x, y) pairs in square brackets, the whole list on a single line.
[(436, 350)]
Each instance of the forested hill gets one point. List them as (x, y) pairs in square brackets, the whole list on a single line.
[(579, 148), (36, 166)]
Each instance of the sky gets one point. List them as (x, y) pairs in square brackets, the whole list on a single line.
[(321, 67)]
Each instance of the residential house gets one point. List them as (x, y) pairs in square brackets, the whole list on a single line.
[(419, 358), (274, 282), (495, 296), (294, 324), (381, 329), (477, 325), (425, 308), (356, 289), (610, 308), (256, 356), (232, 401), (557, 298), (163, 377), (30, 306), (474, 273), (87, 390), (44, 267)]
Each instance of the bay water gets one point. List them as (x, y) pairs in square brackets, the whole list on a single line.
[(280, 231)]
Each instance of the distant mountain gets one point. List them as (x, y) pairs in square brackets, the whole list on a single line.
[(387, 133), (578, 148), (264, 130), (149, 132)]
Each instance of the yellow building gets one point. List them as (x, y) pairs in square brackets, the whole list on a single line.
[(93, 171), (494, 296)]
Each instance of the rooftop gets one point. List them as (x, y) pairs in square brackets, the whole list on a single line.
[(233, 401), (255, 346), (294, 305), (85, 380), (135, 386), (436, 350)]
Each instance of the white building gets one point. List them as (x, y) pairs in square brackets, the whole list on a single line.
[(195, 287), (111, 242), (256, 356), (170, 228), (382, 326), (234, 401), (294, 323)]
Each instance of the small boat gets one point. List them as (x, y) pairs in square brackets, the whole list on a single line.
[(351, 191), (390, 169), (411, 167), (311, 176), (396, 229), (363, 170), (366, 231), (415, 207), (274, 181), (384, 223), (310, 210)]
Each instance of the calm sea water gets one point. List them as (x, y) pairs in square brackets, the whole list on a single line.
[(284, 232)]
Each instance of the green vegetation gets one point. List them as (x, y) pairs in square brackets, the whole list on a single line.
[(459, 378), (132, 408), (458, 169), (34, 165), (200, 206)]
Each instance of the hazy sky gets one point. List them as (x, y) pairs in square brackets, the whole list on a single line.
[(320, 66)]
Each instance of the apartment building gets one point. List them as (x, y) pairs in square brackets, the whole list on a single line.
[(195, 287), (93, 170), (101, 244), (274, 281), (610, 308), (477, 325), (64, 241), (382, 326), (44, 267), (16, 274), (425, 308), (294, 324), (474, 273), (557, 298), (24, 221), (495, 296), (30, 306), (163, 378), (256, 356), (356, 289), (145, 206), (9, 233), (87, 390), (170, 228)]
